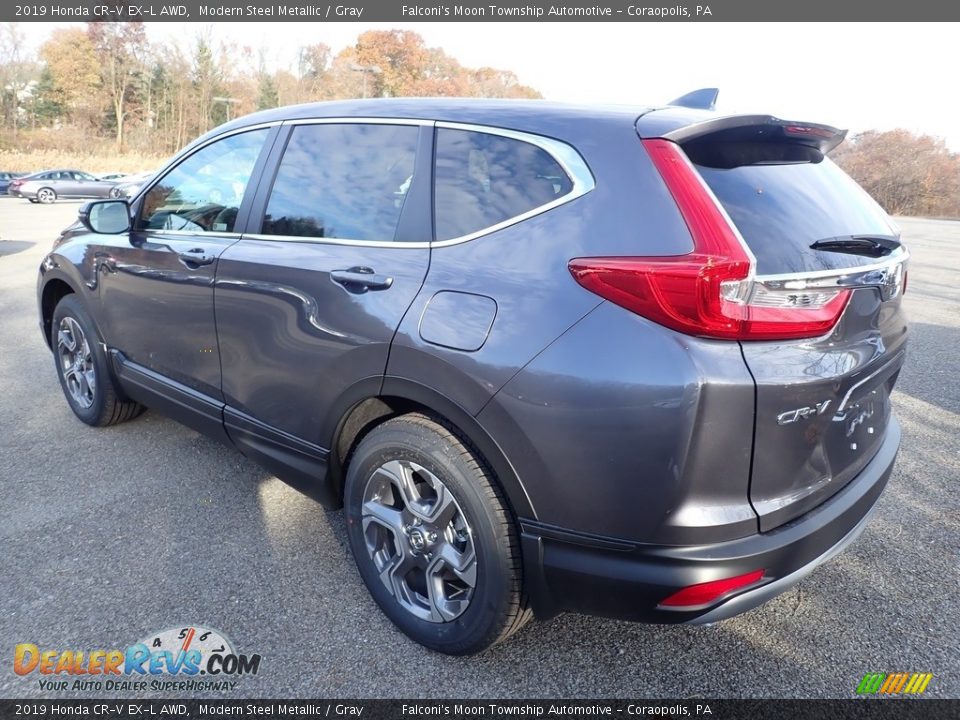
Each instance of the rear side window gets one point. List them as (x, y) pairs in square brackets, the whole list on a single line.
[(782, 204), (484, 179), (342, 181)]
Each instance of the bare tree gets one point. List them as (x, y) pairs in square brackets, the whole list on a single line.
[(120, 48), (16, 73)]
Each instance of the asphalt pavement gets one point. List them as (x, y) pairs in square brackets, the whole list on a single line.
[(112, 535)]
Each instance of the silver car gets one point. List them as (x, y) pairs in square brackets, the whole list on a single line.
[(45, 187), (130, 185)]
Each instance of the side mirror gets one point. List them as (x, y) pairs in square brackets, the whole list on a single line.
[(108, 217)]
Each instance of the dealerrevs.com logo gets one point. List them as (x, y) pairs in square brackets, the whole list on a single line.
[(198, 658)]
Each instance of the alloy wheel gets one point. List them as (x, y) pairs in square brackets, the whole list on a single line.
[(419, 541), (76, 363)]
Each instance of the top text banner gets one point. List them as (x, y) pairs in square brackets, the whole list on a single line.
[(400, 11)]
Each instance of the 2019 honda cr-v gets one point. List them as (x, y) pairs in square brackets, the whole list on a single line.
[(631, 362)]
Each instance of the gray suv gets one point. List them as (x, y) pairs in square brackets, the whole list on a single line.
[(634, 362)]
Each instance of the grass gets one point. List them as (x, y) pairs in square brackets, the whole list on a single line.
[(34, 160)]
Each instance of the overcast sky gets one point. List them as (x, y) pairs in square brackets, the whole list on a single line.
[(856, 76)]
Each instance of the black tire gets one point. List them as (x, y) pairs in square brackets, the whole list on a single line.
[(497, 607), (46, 196), (107, 405)]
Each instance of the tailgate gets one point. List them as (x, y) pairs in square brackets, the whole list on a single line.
[(822, 407), (822, 403)]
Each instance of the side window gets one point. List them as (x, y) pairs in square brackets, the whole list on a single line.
[(203, 193), (483, 179), (344, 181)]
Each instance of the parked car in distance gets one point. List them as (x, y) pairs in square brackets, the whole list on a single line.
[(5, 179), (115, 176), (47, 186), (634, 362), (130, 185)]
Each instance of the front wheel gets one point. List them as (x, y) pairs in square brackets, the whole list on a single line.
[(433, 539), (82, 368)]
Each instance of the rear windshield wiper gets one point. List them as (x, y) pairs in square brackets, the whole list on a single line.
[(868, 245)]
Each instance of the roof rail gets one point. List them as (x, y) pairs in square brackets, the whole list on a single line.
[(702, 99)]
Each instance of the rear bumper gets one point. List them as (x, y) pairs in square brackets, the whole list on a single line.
[(569, 571)]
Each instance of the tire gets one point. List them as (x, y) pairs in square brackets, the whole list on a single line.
[(82, 367), (416, 447), (46, 196), (114, 192)]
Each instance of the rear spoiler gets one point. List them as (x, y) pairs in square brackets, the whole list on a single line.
[(683, 125)]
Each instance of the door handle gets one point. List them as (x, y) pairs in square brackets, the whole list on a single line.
[(362, 279), (196, 257)]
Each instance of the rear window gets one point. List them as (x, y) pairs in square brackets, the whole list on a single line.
[(784, 201)]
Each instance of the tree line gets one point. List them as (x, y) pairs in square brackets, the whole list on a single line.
[(110, 81), (106, 88), (907, 173)]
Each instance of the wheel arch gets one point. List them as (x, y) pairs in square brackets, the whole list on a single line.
[(54, 290), (369, 403)]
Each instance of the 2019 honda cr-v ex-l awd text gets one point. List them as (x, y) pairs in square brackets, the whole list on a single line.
[(628, 362)]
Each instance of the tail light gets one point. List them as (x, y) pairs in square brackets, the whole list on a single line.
[(711, 291)]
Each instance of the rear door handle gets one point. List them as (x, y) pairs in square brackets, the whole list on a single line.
[(196, 257), (361, 278)]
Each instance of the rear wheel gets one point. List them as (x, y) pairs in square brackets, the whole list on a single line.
[(46, 195), (432, 537), (82, 368)]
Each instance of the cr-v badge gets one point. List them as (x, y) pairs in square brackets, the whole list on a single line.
[(792, 416)]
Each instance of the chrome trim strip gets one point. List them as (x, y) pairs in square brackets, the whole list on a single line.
[(189, 233), (886, 276), (897, 256), (359, 121), (335, 241)]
